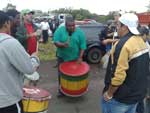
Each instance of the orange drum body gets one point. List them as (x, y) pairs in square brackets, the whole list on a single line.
[(74, 78), (35, 99)]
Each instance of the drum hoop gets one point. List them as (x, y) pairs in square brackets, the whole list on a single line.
[(74, 95), (83, 73), (37, 99)]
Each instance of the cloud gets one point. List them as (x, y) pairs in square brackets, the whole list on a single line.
[(94, 6)]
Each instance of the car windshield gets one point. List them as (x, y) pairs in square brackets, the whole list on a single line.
[(92, 31)]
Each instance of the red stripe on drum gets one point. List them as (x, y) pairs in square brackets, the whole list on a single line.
[(74, 92)]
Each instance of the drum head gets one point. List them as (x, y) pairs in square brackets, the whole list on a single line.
[(74, 69), (35, 93)]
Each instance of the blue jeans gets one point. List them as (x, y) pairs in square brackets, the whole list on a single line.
[(113, 106), (140, 107), (59, 61), (147, 106)]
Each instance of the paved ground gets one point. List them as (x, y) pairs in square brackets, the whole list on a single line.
[(88, 103)]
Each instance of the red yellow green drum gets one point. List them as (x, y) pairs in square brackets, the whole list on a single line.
[(74, 79), (35, 99)]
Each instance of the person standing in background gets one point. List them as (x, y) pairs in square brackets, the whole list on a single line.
[(15, 20), (45, 27), (27, 33), (144, 105)]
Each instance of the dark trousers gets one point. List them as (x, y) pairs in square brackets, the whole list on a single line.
[(59, 61), (147, 105), (45, 36), (15, 108)]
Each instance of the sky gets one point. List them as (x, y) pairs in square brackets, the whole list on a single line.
[(94, 6)]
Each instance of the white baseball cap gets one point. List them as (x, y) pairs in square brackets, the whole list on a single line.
[(131, 21)]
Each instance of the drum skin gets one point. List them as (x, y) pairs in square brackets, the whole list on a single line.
[(74, 79), (35, 99)]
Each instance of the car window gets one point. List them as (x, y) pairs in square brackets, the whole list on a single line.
[(92, 31)]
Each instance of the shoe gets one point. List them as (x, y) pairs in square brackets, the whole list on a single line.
[(60, 94)]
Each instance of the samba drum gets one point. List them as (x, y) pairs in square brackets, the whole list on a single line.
[(35, 99), (74, 78)]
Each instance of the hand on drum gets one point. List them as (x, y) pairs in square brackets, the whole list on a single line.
[(79, 60), (35, 54)]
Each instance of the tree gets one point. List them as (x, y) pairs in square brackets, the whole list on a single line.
[(148, 7), (9, 6)]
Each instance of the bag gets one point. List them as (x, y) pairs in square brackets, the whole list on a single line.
[(105, 59)]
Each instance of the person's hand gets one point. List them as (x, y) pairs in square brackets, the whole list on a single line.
[(65, 45), (38, 32), (107, 96), (35, 54), (106, 41), (147, 97), (32, 34), (115, 40), (79, 61)]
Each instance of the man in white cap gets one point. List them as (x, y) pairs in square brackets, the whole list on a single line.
[(128, 69)]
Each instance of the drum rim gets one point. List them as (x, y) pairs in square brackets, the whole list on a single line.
[(38, 98), (74, 75), (30, 96)]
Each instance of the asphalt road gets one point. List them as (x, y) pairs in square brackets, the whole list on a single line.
[(88, 103)]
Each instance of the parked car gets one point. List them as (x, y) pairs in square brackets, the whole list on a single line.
[(95, 50)]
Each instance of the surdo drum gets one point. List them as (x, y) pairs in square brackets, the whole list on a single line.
[(74, 78)]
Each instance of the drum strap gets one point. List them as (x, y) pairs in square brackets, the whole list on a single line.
[(18, 108)]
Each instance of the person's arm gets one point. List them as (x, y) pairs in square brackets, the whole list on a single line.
[(61, 45), (21, 34), (20, 59), (119, 74), (57, 37), (80, 56), (109, 41)]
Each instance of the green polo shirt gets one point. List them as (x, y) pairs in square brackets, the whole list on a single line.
[(76, 43)]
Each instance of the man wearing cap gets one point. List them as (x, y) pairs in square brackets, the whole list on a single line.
[(70, 42), (27, 32), (128, 69)]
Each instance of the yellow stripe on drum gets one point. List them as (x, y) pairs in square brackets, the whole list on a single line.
[(30, 105), (74, 85)]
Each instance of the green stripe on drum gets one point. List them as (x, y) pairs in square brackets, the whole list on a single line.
[(73, 78)]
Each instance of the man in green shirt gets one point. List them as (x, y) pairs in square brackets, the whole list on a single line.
[(70, 42)]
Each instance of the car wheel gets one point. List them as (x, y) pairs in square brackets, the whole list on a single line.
[(94, 55)]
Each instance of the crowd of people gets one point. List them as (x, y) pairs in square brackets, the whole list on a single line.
[(127, 88)]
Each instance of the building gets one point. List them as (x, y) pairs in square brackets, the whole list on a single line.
[(144, 18)]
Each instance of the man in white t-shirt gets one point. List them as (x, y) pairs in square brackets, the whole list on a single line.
[(45, 27)]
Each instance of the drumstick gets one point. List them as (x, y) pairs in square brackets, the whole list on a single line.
[(37, 47), (113, 37)]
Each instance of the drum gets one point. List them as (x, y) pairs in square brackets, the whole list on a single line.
[(35, 99), (74, 78)]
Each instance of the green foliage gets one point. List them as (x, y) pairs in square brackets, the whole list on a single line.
[(148, 7), (80, 14), (47, 51)]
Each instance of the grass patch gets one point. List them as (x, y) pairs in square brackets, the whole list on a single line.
[(47, 51)]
